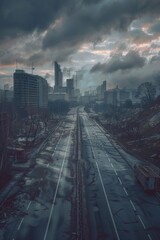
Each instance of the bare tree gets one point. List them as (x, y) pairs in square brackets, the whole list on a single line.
[(146, 91)]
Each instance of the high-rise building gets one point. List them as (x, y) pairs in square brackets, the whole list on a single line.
[(58, 77), (42, 92), (103, 87), (6, 86), (70, 87), (25, 91), (30, 92), (101, 90), (1, 96), (110, 97)]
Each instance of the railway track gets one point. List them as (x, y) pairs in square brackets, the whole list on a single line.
[(81, 231)]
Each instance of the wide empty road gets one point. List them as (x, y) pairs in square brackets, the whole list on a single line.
[(42, 201), (51, 200), (118, 207)]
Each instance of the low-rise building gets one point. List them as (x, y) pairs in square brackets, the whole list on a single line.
[(118, 97), (58, 96)]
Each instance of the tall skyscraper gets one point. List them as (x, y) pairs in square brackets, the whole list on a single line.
[(42, 92), (70, 87), (101, 90), (104, 86), (58, 77)]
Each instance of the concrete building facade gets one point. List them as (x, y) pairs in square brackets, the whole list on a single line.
[(101, 90), (58, 96), (70, 87), (30, 92)]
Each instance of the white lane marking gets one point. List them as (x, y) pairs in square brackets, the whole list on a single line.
[(149, 237), (55, 195), (58, 126), (47, 165), (28, 205), (120, 180), (142, 222), (105, 194), (93, 152), (115, 172), (112, 165), (134, 208), (57, 144), (126, 194), (20, 223), (125, 191), (124, 169), (87, 132), (89, 138)]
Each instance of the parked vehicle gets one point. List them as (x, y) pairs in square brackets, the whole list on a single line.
[(149, 180)]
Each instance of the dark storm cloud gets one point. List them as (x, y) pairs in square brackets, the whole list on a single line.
[(155, 28), (155, 59), (91, 1), (128, 79), (80, 21), (122, 47), (82, 25), (10, 58), (138, 36), (38, 58), (129, 61), (63, 54), (82, 18), (18, 17), (155, 45), (88, 21), (150, 72)]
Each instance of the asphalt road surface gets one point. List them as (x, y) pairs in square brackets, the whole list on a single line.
[(117, 207), (42, 207)]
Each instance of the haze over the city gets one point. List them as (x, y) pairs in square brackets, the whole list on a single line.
[(117, 41)]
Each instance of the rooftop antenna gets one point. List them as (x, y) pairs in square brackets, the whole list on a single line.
[(16, 64)]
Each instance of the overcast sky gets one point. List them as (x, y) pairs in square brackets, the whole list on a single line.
[(113, 40)]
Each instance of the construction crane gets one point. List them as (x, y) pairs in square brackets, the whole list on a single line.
[(32, 68)]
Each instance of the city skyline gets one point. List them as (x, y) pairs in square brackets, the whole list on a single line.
[(119, 42)]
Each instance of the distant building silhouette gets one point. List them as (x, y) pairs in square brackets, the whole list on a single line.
[(101, 90), (70, 87), (58, 77), (118, 97)]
